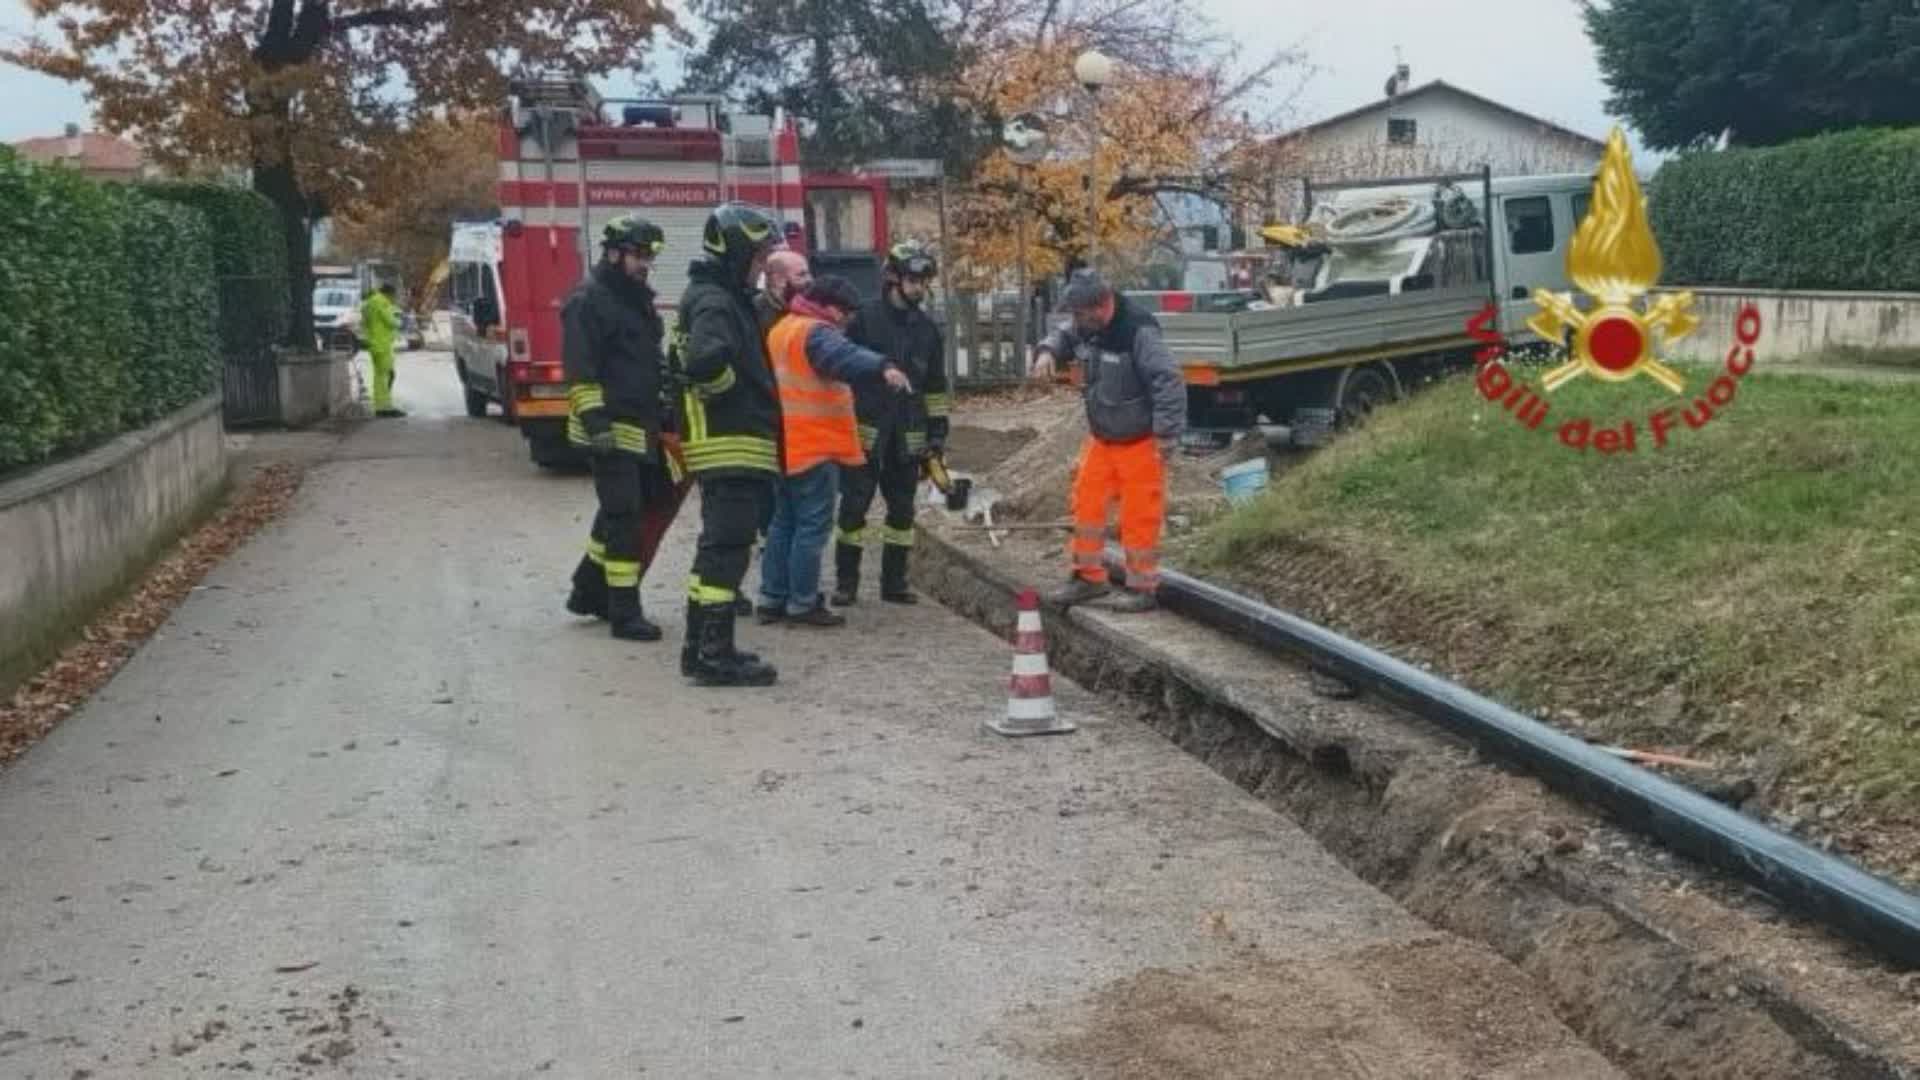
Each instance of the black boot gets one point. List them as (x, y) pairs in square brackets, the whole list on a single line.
[(846, 574), (893, 575), (589, 595), (690, 648), (718, 663), (627, 622)]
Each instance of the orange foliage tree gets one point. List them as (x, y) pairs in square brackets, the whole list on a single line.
[(315, 95), (443, 174), (1185, 129)]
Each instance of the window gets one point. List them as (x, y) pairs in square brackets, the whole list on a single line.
[(840, 219), (1402, 132), (1529, 225)]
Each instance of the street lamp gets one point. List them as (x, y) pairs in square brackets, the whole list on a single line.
[(1093, 70)]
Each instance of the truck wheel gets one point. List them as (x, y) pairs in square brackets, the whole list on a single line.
[(506, 396), (1363, 390), (476, 399)]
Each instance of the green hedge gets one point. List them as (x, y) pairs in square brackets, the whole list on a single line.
[(1837, 211), (249, 257), (106, 310)]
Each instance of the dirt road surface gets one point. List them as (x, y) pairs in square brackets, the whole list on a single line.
[(371, 804)]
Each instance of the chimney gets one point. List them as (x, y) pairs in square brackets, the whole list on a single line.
[(75, 147)]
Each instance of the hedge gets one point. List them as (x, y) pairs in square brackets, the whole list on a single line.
[(1837, 211), (249, 256), (106, 310)]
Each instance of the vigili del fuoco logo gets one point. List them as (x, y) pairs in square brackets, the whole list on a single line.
[(1615, 261)]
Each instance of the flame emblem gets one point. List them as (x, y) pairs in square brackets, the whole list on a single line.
[(1614, 260)]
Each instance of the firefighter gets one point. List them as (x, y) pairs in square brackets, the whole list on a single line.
[(611, 337), (897, 431), (1136, 405), (379, 318), (730, 431)]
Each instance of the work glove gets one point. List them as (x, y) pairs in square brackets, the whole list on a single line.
[(897, 379)]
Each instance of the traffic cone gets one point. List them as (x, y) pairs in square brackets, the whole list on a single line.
[(1030, 694)]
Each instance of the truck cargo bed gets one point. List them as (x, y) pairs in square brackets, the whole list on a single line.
[(1249, 343)]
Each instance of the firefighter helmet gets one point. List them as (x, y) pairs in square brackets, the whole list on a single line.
[(909, 259), (736, 233), (636, 234)]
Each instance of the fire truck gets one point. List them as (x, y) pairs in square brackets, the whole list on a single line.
[(570, 161)]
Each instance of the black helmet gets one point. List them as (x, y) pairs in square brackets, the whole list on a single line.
[(636, 234), (736, 233), (909, 259)]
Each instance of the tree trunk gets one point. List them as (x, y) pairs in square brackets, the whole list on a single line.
[(275, 178)]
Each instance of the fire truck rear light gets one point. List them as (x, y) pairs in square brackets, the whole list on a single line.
[(1176, 302)]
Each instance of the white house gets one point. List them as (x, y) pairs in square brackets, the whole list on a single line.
[(1433, 128)]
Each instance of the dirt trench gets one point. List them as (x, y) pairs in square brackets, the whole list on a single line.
[(1667, 972)]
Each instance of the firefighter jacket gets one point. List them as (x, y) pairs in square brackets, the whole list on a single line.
[(610, 339), (814, 362), (1133, 387), (731, 422), (908, 337)]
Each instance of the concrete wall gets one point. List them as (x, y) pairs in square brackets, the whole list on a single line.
[(314, 386), (72, 532), (1798, 326)]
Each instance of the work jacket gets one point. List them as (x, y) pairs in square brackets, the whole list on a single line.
[(731, 411), (1133, 387), (909, 338), (610, 340), (378, 320)]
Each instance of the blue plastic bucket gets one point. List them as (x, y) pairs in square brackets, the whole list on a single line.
[(1245, 480)]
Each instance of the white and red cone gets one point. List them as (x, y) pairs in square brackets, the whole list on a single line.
[(1030, 693)]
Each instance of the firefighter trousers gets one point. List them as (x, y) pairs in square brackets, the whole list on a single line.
[(895, 481), (731, 511), (1133, 475), (626, 486)]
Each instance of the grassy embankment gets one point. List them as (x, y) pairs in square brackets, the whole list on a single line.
[(1749, 594)]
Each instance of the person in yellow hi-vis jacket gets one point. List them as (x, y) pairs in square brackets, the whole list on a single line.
[(379, 320)]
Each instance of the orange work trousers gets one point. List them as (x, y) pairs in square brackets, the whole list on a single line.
[(1133, 475)]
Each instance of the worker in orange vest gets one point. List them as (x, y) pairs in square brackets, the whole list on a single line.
[(813, 363)]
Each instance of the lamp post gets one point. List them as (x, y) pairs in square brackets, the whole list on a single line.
[(1093, 70)]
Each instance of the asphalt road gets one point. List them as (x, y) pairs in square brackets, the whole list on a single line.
[(372, 804)]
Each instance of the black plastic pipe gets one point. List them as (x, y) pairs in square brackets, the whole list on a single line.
[(1868, 908)]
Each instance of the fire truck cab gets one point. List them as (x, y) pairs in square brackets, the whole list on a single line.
[(569, 163)]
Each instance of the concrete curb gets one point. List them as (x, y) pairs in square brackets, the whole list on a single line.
[(1463, 846)]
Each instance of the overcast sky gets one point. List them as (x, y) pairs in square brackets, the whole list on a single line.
[(1532, 55)]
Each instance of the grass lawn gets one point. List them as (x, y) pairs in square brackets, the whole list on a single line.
[(1750, 593)]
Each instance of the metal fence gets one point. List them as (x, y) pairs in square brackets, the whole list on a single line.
[(982, 335), (249, 376)]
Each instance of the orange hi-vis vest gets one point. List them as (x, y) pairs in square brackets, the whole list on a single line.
[(816, 414)]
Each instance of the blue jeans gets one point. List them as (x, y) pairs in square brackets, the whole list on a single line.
[(797, 537)]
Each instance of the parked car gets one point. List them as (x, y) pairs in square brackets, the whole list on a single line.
[(336, 316)]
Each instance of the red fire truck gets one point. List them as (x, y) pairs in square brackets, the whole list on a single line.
[(570, 162)]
